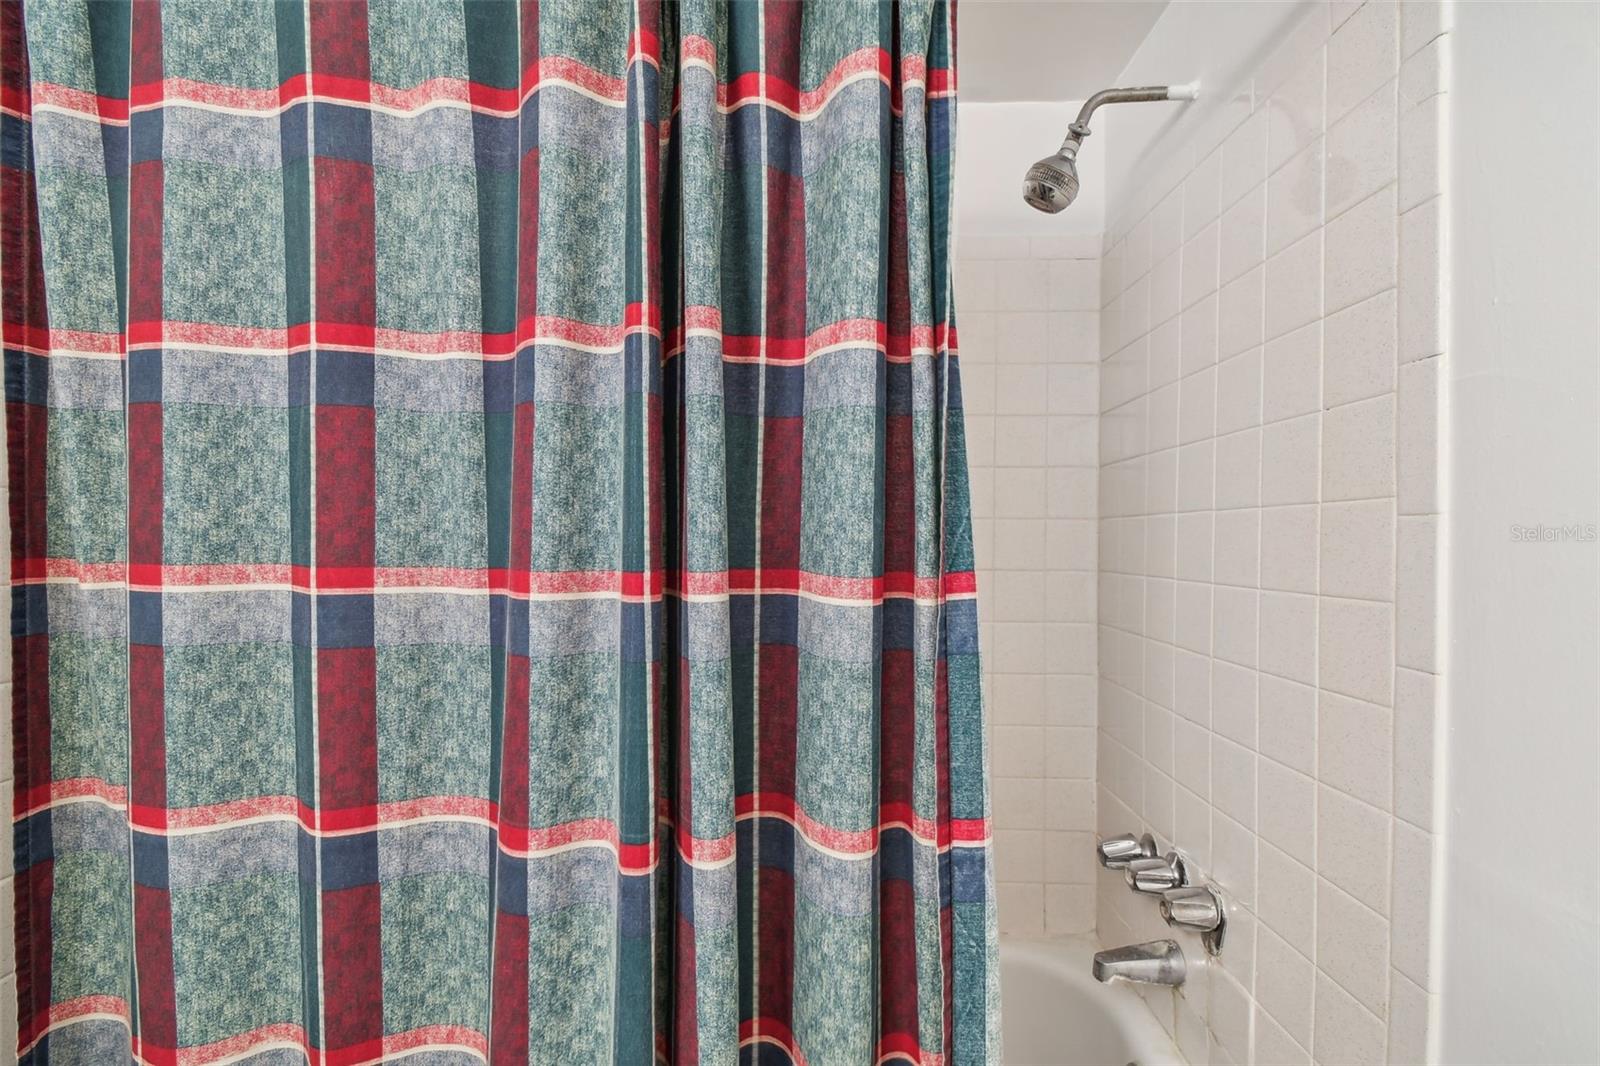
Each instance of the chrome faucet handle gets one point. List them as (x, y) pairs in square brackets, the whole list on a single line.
[(1197, 907), (1117, 852), (1155, 876)]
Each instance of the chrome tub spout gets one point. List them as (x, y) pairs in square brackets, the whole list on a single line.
[(1158, 962)]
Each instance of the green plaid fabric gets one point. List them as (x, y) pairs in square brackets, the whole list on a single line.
[(492, 578)]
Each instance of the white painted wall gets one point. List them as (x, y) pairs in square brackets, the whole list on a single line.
[(1520, 945)]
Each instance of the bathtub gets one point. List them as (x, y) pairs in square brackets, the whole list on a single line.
[(1053, 1013)]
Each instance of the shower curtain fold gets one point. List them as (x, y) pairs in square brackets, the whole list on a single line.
[(491, 554)]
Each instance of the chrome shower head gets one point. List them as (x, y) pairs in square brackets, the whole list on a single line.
[(1052, 184)]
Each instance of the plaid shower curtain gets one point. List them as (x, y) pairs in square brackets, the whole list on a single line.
[(491, 570)]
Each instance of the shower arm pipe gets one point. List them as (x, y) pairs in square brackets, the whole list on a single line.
[(1143, 94)]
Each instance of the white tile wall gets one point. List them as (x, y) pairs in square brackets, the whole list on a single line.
[(1029, 333), (1270, 343)]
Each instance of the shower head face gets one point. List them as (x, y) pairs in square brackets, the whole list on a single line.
[(1051, 184)]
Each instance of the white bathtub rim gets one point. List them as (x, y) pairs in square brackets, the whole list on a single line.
[(1073, 957)]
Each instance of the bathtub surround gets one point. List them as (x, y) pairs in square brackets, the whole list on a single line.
[(514, 599), (1030, 373), (1272, 339), (1347, 358)]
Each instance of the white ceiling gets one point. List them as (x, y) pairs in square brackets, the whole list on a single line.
[(1047, 49)]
